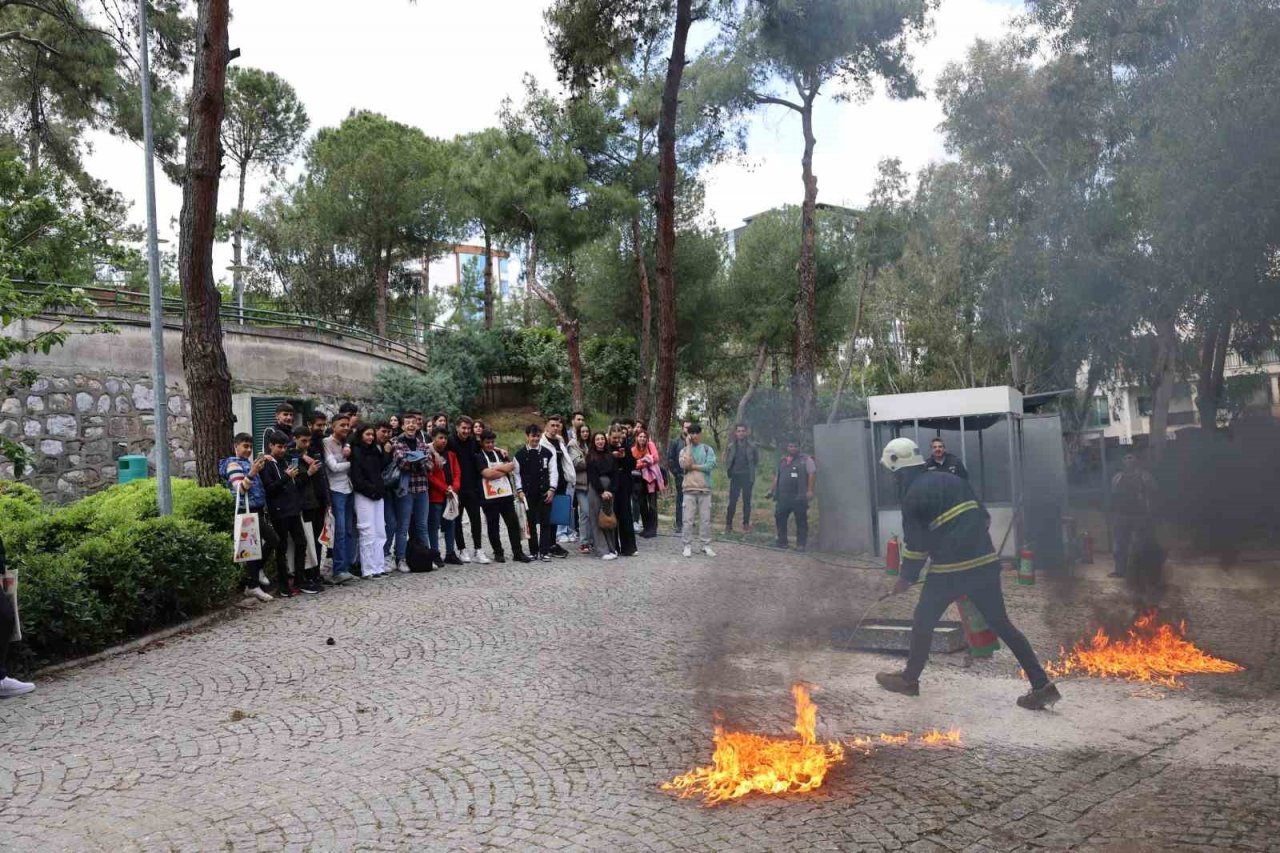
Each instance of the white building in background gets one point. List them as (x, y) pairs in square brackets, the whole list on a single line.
[(466, 261)]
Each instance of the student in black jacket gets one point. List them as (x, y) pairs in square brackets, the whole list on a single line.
[(623, 490), (367, 464), (494, 467), (466, 446), (534, 465), (313, 492), (602, 473), (284, 505)]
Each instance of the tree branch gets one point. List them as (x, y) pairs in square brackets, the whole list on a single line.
[(770, 99), (14, 35)]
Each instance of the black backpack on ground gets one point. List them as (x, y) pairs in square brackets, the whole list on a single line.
[(418, 557)]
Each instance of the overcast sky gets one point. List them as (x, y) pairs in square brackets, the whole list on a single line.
[(445, 66)]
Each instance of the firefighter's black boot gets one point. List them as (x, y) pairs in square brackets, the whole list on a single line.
[(895, 682), (1038, 700)]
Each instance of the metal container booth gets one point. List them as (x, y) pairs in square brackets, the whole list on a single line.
[(1015, 462)]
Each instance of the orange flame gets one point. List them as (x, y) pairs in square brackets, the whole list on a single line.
[(744, 762), (933, 737), (1151, 651)]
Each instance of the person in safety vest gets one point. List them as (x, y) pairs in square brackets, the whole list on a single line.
[(943, 523), (792, 492)]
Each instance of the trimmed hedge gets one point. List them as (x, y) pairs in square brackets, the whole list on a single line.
[(107, 568)]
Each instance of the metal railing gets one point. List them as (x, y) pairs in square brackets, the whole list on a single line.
[(136, 302)]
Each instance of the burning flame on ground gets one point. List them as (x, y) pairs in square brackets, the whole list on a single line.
[(744, 762), (933, 737), (1151, 652)]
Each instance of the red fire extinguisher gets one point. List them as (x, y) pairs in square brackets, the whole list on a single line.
[(892, 559), (1027, 568), (1087, 547)]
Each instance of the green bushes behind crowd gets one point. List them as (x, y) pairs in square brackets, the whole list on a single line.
[(108, 568)]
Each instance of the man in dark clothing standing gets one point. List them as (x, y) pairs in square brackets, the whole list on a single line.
[(313, 493), (1132, 492), (499, 499), (285, 414), (741, 460), (535, 465), (792, 492), (940, 460), (465, 445), (943, 524), (675, 473), (284, 505)]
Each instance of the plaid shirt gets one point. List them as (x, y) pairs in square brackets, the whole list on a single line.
[(417, 471)]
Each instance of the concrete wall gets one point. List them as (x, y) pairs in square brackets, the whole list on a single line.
[(93, 398)]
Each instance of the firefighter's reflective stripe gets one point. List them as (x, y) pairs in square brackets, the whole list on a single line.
[(914, 555), (954, 512), (967, 564)]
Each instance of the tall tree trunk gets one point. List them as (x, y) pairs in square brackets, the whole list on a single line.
[(237, 242), (665, 204), (34, 129), (488, 280), (646, 324), (1163, 376), (775, 372), (1213, 362), (806, 346), (741, 415), (203, 359), (424, 287), (853, 345), (570, 327), (383, 273)]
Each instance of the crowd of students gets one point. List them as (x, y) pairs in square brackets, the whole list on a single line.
[(403, 494)]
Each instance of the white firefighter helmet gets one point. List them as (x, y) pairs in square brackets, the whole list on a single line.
[(901, 453)]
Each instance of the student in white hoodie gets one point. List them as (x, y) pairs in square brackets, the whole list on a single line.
[(565, 477), (337, 461)]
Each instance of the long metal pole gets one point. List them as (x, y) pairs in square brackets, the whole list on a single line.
[(164, 497)]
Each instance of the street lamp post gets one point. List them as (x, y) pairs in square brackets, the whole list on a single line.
[(164, 496)]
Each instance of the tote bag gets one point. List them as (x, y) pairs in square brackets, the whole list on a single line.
[(246, 536), (451, 510), (562, 510), (326, 533)]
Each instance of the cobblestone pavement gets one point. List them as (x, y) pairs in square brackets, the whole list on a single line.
[(539, 707)]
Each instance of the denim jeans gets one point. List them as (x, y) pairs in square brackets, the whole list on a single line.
[(344, 540), (391, 514), (586, 521), (412, 507), (437, 523)]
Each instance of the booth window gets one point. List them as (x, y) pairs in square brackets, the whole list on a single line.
[(982, 442)]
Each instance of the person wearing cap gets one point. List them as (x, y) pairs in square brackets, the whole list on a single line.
[(944, 524), (792, 492)]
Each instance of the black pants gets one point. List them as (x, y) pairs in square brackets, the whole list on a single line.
[(739, 484), (982, 586), (542, 533), (270, 544), (782, 512), (8, 619), (678, 478), (469, 502), (648, 511), (1126, 533), (626, 522), (506, 510), (289, 529)]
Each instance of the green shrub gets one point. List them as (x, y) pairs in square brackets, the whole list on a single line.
[(213, 506), (22, 493), (14, 511), (62, 616)]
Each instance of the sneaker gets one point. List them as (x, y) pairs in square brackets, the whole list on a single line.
[(483, 559), (525, 558), (895, 682), (559, 553), (263, 580), (402, 567), (13, 687), (610, 556), (1038, 700), (688, 552), (464, 556), (285, 592), (452, 559), (706, 549), (436, 560), (310, 588), (342, 577), (584, 549), (546, 558), (258, 593), (637, 527)]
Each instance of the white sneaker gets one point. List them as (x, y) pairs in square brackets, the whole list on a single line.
[(402, 566), (482, 558), (464, 555), (706, 549), (688, 552), (258, 593), (610, 556), (262, 578), (14, 687)]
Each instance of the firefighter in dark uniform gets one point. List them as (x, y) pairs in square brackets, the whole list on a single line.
[(940, 460), (943, 523)]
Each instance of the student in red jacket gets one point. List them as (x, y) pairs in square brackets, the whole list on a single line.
[(443, 480)]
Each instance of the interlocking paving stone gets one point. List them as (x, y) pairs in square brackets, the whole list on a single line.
[(522, 707)]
